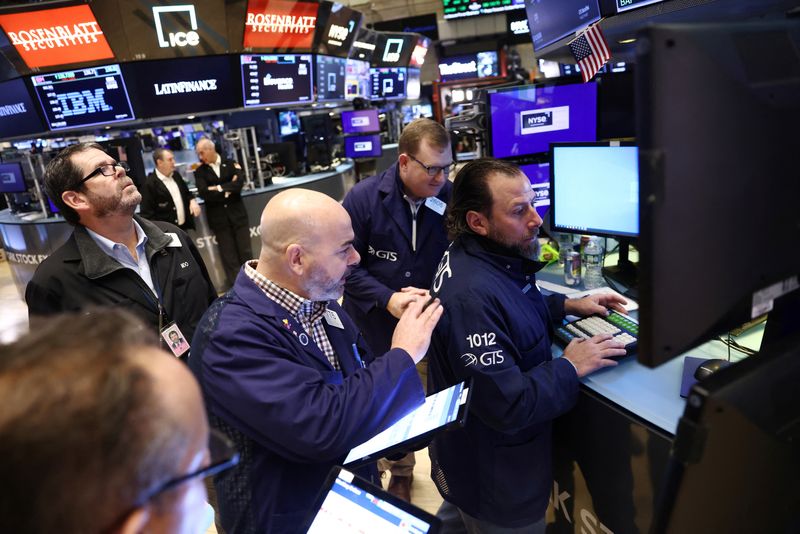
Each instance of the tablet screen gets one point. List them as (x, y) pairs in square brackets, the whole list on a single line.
[(440, 410)]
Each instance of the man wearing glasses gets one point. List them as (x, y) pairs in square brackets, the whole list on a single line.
[(398, 219), (113, 257), (102, 432)]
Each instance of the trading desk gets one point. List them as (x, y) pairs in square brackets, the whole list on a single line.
[(610, 451)]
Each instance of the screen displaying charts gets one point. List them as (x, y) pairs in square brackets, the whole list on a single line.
[(330, 78), (83, 97), (276, 79), (388, 82)]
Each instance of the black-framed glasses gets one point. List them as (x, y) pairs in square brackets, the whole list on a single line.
[(109, 169), (433, 170)]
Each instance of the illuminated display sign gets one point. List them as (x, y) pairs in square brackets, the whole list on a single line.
[(276, 79), (625, 5), (364, 45), (182, 86), (356, 79), (552, 20), (83, 97), (454, 9), (338, 29), (388, 82), (61, 36), (17, 115), (181, 29), (419, 52), (394, 49), (480, 65), (330, 78), (279, 25), (517, 31)]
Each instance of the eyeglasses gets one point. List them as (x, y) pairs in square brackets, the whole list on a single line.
[(223, 456), (433, 170), (109, 169)]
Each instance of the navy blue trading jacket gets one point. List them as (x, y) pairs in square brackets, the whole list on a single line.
[(497, 330), (382, 224)]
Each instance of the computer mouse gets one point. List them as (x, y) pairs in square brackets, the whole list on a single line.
[(709, 367)]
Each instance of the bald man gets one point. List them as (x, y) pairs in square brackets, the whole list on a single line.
[(219, 184), (285, 372)]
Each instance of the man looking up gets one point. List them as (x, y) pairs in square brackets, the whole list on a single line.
[(113, 257), (398, 220), (285, 372), (220, 186), (495, 473), (165, 196)]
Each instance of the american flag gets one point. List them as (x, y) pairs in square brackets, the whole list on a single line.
[(590, 50)]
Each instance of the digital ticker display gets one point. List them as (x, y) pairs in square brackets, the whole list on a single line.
[(83, 97), (276, 79), (454, 9)]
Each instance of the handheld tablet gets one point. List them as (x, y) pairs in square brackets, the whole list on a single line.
[(350, 504), (441, 410)]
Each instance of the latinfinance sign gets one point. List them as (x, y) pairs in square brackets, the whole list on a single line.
[(194, 86), (279, 25), (61, 36)]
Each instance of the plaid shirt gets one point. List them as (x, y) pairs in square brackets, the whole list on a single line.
[(307, 312)]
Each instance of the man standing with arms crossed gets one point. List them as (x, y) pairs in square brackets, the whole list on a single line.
[(398, 220)]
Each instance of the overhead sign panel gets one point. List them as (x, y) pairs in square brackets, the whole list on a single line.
[(181, 29), (17, 114), (338, 27), (279, 25), (60, 36), (394, 49)]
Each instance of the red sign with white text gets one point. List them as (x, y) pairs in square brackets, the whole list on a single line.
[(60, 36), (279, 25)]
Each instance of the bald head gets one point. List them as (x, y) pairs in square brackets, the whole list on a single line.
[(302, 230), (206, 151)]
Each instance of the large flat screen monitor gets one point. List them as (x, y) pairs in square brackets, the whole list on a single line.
[(413, 84), (465, 67), (12, 180), (182, 86), (388, 82), (83, 97), (330, 78), (338, 26), (279, 26), (356, 79), (394, 49), (539, 175), (416, 111), (364, 45), (718, 176), (289, 122), (363, 146), (17, 113), (456, 9), (551, 20), (360, 121), (276, 79), (524, 120)]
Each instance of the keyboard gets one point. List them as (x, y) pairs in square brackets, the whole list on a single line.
[(622, 327)]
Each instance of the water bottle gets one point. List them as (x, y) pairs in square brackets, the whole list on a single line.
[(593, 265), (564, 246)]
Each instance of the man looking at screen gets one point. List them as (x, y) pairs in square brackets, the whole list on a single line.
[(284, 370), (219, 184), (495, 474), (398, 220), (165, 196)]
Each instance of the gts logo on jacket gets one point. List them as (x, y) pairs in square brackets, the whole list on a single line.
[(382, 254)]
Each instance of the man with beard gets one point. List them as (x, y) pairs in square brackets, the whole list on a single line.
[(113, 257), (285, 372), (495, 473)]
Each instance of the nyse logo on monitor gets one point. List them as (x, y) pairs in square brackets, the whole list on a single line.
[(544, 120), (357, 121), (391, 54), (176, 38), (362, 146)]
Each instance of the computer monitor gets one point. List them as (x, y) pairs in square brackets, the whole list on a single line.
[(539, 176), (551, 20), (363, 146), (289, 122), (416, 111), (12, 180), (17, 113), (356, 79), (318, 130), (360, 121), (594, 189), (524, 120), (272, 79), (388, 82), (413, 84), (718, 179), (330, 78)]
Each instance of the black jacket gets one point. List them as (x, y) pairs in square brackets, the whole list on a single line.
[(218, 207), (79, 274), (157, 203)]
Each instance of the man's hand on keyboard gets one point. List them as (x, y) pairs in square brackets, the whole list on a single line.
[(589, 355), (596, 304)]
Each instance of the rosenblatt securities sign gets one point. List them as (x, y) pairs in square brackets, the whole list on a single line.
[(279, 25), (60, 36)]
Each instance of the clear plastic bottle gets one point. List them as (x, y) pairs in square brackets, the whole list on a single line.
[(564, 246), (593, 264)]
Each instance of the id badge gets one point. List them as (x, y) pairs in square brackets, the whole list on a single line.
[(175, 340)]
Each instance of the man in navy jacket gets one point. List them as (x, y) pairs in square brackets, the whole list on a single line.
[(495, 473), (398, 220), (285, 372)]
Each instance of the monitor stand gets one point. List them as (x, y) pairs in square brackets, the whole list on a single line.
[(624, 276)]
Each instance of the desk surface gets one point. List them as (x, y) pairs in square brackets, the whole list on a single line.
[(651, 394)]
